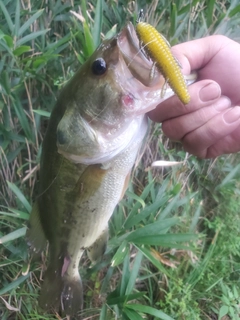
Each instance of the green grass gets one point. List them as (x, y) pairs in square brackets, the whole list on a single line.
[(174, 246)]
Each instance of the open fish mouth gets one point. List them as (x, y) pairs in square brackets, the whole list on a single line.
[(136, 60)]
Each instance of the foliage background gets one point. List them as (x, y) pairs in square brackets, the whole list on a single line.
[(175, 275)]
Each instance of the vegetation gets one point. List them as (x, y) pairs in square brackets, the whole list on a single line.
[(174, 251)]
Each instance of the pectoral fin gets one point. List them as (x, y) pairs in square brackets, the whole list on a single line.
[(35, 235)]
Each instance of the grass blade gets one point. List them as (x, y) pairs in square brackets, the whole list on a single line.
[(229, 177), (134, 273), (31, 36), (149, 310), (15, 214), (131, 314), (165, 240), (13, 235), (30, 21), (13, 285), (97, 28), (17, 18), (7, 17), (152, 229), (210, 5), (173, 19), (42, 113), (103, 313), (148, 254), (19, 196), (121, 253), (22, 118), (125, 276)]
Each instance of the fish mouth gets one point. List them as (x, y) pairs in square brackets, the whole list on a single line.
[(136, 59)]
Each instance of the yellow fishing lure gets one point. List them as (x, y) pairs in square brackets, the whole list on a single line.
[(159, 51)]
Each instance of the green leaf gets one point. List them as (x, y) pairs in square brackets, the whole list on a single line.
[(147, 253), (111, 33), (229, 177), (222, 312), (6, 82), (4, 45), (136, 197), (165, 240), (151, 209), (97, 28), (22, 118), (17, 18), (13, 285), (152, 229), (84, 10), (43, 113), (11, 156), (173, 19), (131, 314), (134, 273), (210, 6), (149, 310), (121, 253), (9, 41), (234, 11), (30, 21), (134, 210), (89, 44), (19, 196), (31, 36), (7, 17), (121, 299), (13, 235), (125, 275), (20, 50), (235, 293), (15, 214), (19, 214), (195, 218), (172, 205), (103, 313)]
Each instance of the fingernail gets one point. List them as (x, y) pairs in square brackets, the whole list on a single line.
[(222, 103), (232, 115), (210, 92)]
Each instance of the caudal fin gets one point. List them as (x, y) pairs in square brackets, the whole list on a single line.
[(63, 293)]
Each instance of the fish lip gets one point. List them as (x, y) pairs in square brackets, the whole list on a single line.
[(134, 57)]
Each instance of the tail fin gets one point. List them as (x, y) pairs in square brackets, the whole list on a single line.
[(72, 295), (61, 292)]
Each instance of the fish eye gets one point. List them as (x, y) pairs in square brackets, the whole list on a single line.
[(99, 67)]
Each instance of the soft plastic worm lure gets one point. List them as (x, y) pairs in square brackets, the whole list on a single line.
[(158, 49)]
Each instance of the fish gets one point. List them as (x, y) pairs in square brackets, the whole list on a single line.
[(159, 50), (93, 137)]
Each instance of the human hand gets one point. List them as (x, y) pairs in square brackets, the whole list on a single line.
[(209, 125)]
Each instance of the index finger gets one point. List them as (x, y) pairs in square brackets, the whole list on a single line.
[(203, 93)]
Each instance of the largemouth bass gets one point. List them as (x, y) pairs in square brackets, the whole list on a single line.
[(90, 147)]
